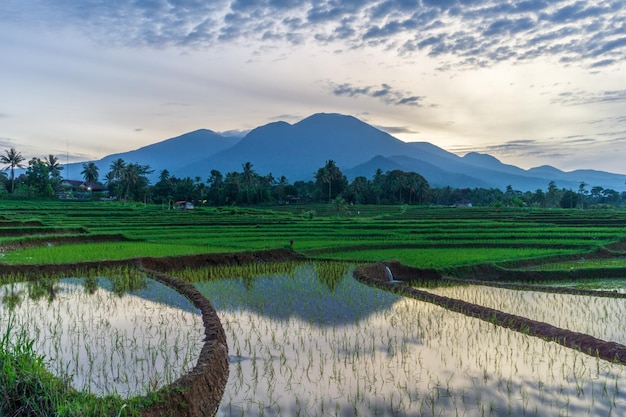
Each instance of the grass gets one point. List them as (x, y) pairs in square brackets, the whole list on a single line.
[(28, 389), (62, 232), (137, 230), (582, 263), (76, 252), (444, 257)]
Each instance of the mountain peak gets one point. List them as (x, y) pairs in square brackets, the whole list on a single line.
[(298, 150)]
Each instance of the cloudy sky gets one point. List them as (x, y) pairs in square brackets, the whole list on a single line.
[(531, 82)]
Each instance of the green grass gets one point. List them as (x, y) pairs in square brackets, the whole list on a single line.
[(582, 263), (28, 389), (156, 231), (440, 258), (101, 251)]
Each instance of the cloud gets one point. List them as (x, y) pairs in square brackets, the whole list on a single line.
[(393, 130), (466, 33), (6, 143), (577, 98), (234, 133), (384, 92)]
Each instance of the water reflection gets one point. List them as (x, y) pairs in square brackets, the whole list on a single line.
[(293, 352), (297, 294), (600, 317), (102, 341)]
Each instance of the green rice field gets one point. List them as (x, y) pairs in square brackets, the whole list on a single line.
[(304, 336)]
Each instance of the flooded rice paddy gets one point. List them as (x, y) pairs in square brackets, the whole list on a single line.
[(313, 341), (103, 341), (600, 317), (302, 347)]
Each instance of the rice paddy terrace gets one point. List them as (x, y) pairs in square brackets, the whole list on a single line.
[(301, 335)]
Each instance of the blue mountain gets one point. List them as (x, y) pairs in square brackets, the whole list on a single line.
[(298, 150)]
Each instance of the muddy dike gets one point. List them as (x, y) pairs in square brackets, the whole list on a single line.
[(166, 264), (199, 392), (375, 275)]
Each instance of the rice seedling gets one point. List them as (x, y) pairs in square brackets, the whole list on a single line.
[(595, 316), (299, 346), (102, 339)]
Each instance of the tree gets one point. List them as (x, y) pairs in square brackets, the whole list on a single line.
[(596, 194), (12, 159), (163, 190), (247, 178), (117, 168), (216, 182), (582, 192), (135, 181), (328, 174), (569, 199), (200, 187), (359, 185), (90, 172), (378, 183), (184, 189), (38, 178), (417, 186), (395, 182), (232, 188), (4, 180), (54, 167), (552, 194)]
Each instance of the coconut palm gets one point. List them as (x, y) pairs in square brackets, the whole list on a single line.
[(327, 174), (359, 184), (117, 168), (247, 178), (12, 159), (90, 172), (54, 167)]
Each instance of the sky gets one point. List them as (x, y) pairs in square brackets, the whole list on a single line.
[(531, 82)]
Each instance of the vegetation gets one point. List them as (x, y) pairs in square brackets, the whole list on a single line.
[(66, 232), (519, 238), (28, 389), (130, 182)]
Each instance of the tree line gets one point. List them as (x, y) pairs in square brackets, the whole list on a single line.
[(130, 181)]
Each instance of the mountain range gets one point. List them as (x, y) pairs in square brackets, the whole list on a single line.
[(298, 150)]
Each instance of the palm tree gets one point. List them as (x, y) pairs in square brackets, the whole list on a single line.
[(117, 168), (12, 159), (215, 182), (247, 178), (54, 167), (327, 174), (416, 185), (135, 180), (90, 172), (581, 193), (359, 184)]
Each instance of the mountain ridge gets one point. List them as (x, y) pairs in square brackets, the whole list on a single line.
[(298, 150)]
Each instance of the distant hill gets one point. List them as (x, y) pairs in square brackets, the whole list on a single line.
[(299, 150), (170, 154)]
